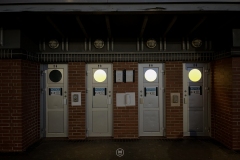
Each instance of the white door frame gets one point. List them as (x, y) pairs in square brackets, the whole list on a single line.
[(206, 99), (141, 95), (64, 87), (89, 102)]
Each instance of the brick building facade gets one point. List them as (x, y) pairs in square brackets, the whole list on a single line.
[(20, 75)]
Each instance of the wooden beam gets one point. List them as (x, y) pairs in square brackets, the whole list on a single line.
[(108, 27), (81, 26), (54, 26), (197, 25), (143, 26), (170, 26)]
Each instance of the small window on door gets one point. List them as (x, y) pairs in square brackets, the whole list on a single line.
[(55, 76), (195, 75), (100, 75), (150, 75)]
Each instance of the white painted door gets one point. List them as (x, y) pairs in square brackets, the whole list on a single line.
[(56, 100), (196, 113), (150, 91), (99, 100)]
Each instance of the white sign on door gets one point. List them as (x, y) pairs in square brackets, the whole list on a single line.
[(55, 91), (100, 91), (151, 91)]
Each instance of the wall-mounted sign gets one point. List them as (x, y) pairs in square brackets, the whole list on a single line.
[(119, 76), (129, 75), (76, 98), (175, 99), (125, 99), (56, 91)]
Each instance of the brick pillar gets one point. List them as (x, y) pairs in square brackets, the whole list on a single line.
[(76, 83), (125, 119), (11, 106), (221, 101), (19, 104), (226, 102), (30, 103), (236, 103), (174, 84)]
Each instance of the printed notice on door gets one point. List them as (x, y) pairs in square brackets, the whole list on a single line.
[(100, 91), (151, 91), (55, 91), (195, 89)]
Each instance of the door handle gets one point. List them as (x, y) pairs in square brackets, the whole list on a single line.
[(141, 100), (109, 100), (65, 101), (184, 101)]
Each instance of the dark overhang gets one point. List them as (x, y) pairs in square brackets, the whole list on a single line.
[(76, 20), (116, 1), (118, 5)]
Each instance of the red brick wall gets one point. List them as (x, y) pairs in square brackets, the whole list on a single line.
[(76, 83), (125, 119), (222, 101), (30, 102), (19, 115), (174, 84), (10, 106), (236, 103)]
